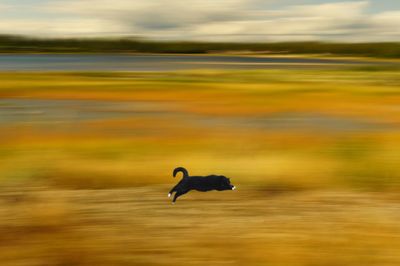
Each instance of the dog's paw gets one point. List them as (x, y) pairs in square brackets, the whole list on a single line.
[(169, 195)]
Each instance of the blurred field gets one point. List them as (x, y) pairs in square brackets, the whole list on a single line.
[(138, 226), (86, 162), (292, 129)]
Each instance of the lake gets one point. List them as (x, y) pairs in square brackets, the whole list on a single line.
[(124, 62)]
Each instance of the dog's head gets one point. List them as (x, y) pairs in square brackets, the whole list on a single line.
[(226, 184)]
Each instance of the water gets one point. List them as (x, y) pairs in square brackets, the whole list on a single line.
[(51, 114), (85, 62)]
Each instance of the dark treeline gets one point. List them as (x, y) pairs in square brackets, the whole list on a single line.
[(17, 44)]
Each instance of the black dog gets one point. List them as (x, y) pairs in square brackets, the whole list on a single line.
[(200, 183)]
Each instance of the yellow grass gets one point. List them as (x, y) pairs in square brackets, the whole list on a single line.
[(143, 149), (314, 154), (138, 226)]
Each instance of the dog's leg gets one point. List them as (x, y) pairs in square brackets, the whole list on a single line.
[(179, 186), (179, 193), (172, 190)]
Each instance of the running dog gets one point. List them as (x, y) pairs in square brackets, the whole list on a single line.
[(199, 183)]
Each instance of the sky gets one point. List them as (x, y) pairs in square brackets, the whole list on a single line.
[(206, 20)]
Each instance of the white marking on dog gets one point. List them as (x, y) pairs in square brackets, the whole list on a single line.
[(233, 188), (169, 195)]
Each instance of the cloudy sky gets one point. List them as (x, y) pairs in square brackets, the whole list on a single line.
[(211, 20)]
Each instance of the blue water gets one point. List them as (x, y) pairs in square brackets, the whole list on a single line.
[(67, 114), (91, 62)]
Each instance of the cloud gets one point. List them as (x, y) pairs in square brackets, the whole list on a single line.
[(387, 24), (215, 20), (155, 14), (347, 21), (57, 28)]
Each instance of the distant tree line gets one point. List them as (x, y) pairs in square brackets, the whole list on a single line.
[(18, 44)]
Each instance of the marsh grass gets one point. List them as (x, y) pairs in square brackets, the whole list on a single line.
[(139, 226), (301, 129), (86, 162)]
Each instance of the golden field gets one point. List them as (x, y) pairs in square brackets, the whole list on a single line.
[(301, 129), (250, 226), (87, 159)]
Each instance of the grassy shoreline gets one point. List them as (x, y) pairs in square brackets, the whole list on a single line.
[(20, 44)]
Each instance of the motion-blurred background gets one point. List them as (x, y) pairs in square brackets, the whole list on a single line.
[(296, 101)]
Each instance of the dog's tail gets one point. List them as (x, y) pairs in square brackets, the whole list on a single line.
[(181, 169)]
